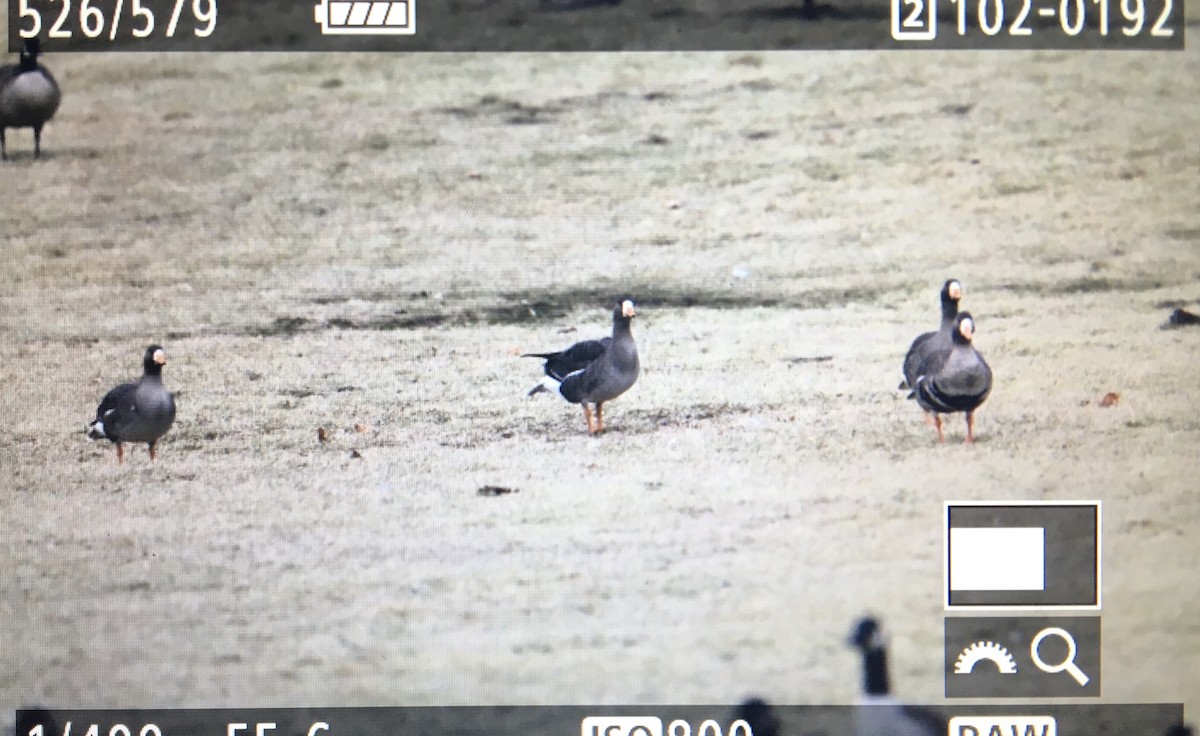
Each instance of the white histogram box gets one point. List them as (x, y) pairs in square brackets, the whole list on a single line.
[(997, 559), (1022, 555)]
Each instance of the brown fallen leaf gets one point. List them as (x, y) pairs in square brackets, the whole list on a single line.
[(1111, 398), (322, 434)]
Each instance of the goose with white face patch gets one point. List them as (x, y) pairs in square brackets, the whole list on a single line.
[(29, 96), (137, 412), (594, 371), (878, 713), (953, 380), (931, 342)]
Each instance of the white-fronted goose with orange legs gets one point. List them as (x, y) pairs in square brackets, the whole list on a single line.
[(137, 412), (29, 96), (930, 342), (594, 371), (954, 380), (878, 712)]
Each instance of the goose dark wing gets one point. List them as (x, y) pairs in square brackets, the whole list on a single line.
[(578, 386), (115, 409), (913, 359), (575, 358)]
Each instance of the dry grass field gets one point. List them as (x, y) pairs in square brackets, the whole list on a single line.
[(365, 242)]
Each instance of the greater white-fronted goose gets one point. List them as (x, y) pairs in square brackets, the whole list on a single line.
[(29, 96), (137, 412), (594, 371), (955, 379), (932, 341), (878, 712)]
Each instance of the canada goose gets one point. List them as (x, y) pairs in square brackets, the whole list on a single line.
[(594, 371), (29, 96), (954, 379), (879, 714), (137, 412), (759, 716)]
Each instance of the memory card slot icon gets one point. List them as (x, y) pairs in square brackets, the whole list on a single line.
[(346, 17)]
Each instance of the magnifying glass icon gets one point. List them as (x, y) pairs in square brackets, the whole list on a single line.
[(1067, 665)]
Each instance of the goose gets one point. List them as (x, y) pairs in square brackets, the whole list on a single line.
[(931, 341), (1179, 729), (136, 412), (879, 714), (759, 716), (29, 96), (594, 371), (955, 379)]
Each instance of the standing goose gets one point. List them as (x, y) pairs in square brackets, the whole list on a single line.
[(954, 379), (29, 96), (879, 714), (137, 412), (933, 341), (594, 371)]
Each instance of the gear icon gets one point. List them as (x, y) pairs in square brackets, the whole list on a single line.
[(982, 650)]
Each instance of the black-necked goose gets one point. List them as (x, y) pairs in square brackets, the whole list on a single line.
[(29, 96), (932, 341), (137, 412), (594, 371), (878, 713), (759, 716), (955, 379)]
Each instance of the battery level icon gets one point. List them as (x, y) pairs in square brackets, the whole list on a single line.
[(390, 18)]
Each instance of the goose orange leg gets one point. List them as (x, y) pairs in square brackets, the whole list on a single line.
[(120, 454), (937, 422), (599, 417), (153, 450), (587, 414), (970, 427)]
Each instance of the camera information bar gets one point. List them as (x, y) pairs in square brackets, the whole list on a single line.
[(593, 25), (749, 719)]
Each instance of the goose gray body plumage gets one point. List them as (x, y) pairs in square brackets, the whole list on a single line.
[(29, 96), (878, 712), (136, 412), (956, 379), (593, 372), (931, 342)]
